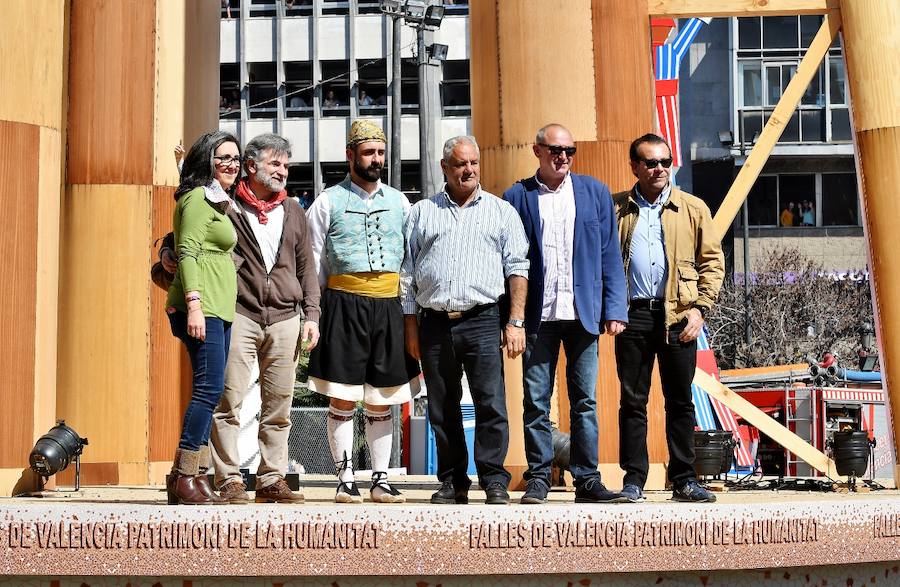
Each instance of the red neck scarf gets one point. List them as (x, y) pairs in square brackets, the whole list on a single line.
[(261, 206)]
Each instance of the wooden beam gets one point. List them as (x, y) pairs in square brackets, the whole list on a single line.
[(779, 119), (689, 8), (768, 426)]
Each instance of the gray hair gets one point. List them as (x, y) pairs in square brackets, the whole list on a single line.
[(265, 142), (542, 132), (452, 142)]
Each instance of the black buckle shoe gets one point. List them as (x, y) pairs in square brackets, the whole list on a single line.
[(448, 495), (592, 490), (496, 494), (535, 492)]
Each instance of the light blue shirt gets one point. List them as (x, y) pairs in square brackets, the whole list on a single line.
[(457, 258), (648, 268)]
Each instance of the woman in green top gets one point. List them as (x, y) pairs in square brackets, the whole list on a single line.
[(201, 300)]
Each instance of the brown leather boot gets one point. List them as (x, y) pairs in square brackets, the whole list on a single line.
[(203, 477), (184, 485)]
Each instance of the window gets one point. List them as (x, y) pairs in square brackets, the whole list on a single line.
[(262, 8), (298, 98), (335, 98), (262, 91), (409, 86), (409, 180), (298, 7), (229, 90), (769, 52), (368, 7), (371, 89), (455, 97), (340, 7), (839, 201), (456, 7), (300, 184), (813, 199), (333, 173), (231, 8)]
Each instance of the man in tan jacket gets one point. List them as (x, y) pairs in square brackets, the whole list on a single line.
[(674, 268)]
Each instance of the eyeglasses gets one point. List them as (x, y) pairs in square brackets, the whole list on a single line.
[(652, 163), (557, 150), (227, 160)]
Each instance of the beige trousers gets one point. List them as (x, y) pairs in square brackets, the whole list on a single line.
[(276, 349)]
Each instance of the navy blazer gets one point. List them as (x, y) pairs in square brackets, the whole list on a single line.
[(598, 275)]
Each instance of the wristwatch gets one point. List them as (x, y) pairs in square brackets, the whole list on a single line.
[(516, 323), (702, 310)]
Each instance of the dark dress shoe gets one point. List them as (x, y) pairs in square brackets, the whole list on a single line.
[(535, 492), (447, 494), (496, 494)]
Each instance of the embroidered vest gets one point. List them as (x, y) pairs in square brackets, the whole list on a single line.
[(364, 238)]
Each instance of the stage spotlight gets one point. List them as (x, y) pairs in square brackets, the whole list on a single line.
[(852, 451), (54, 451)]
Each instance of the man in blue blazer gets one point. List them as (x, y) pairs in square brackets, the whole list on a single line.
[(576, 290)]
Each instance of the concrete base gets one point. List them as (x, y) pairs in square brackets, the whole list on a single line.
[(125, 531)]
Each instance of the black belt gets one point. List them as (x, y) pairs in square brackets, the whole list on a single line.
[(653, 304), (473, 311)]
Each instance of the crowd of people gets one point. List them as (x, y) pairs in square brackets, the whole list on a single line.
[(384, 293)]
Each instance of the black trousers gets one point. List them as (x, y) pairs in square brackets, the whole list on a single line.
[(448, 347), (644, 341)]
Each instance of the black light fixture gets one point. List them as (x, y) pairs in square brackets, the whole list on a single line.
[(438, 52), (54, 451), (433, 16), (726, 137)]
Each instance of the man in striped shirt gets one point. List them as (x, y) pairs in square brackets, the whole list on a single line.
[(464, 247)]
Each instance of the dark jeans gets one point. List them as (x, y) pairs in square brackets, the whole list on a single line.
[(539, 372), (644, 340), (208, 358), (448, 347)]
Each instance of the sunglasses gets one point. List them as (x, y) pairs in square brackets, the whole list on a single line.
[(652, 163), (557, 150), (227, 160)]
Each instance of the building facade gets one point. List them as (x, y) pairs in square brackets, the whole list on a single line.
[(306, 68), (731, 81)]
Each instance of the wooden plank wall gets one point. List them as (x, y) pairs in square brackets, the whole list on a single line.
[(144, 76), (32, 115), (597, 81)]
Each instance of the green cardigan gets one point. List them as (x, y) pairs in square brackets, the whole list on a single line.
[(204, 239)]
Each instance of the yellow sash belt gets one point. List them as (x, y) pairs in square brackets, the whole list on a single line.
[(374, 284)]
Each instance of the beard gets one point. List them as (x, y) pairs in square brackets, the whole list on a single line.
[(370, 173), (270, 181)]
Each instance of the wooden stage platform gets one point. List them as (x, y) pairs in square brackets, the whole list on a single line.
[(130, 531)]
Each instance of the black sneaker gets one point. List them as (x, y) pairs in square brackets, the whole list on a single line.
[(496, 494), (693, 492), (535, 492), (591, 490), (447, 494)]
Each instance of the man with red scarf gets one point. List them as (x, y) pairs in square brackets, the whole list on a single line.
[(276, 280)]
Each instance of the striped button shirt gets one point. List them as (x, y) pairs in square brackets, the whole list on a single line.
[(457, 258)]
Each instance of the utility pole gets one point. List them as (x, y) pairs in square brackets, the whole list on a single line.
[(426, 128), (396, 110)]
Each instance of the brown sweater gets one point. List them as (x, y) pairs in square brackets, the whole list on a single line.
[(267, 298)]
